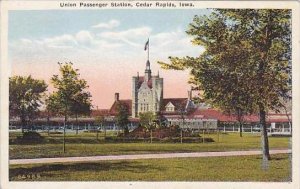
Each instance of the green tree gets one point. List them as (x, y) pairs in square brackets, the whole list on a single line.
[(53, 105), (147, 120), (71, 96), (122, 117), (25, 97), (160, 119), (81, 104), (246, 65), (100, 120), (183, 112)]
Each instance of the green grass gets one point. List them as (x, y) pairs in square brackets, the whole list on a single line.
[(85, 144), (13, 135), (243, 168)]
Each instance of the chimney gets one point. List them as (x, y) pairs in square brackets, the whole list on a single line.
[(116, 96), (189, 95)]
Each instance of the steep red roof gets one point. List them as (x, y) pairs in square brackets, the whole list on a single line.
[(216, 114), (127, 102), (212, 114), (100, 112), (179, 103), (134, 119)]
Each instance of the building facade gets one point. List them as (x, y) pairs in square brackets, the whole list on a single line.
[(147, 92)]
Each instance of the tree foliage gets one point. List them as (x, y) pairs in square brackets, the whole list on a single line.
[(25, 97), (71, 96), (100, 120), (147, 119), (246, 65), (122, 116)]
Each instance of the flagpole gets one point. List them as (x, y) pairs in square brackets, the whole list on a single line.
[(148, 48)]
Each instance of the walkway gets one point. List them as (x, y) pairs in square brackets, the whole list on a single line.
[(142, 156)]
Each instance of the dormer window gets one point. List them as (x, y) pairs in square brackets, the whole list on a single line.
[(170, 107)]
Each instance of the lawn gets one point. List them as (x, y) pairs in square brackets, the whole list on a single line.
[(242, 168), (85, 144)]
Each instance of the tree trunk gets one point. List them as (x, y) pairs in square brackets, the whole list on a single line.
[(31, 125), (22, 127), (64, 137), (288, 117), (126, 130), (104, 131), (23, 122), (265, 46), (264, 134), (48, 123), (181, 136), (241, 129), (77, 124), (97, 134), (239, 119)]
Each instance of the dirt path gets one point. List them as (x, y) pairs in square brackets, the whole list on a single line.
[(142, 156)]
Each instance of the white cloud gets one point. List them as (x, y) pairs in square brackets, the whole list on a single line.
[(84, 37), (25, 41), (123, 44), (108, 25), (82, 43), (132, 37), (63, 41), (174, 43), (141, 31), (107, 45)]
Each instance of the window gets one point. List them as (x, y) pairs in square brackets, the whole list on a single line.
[(170, 109)]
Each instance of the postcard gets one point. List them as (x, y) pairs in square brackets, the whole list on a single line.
[(143, 94)]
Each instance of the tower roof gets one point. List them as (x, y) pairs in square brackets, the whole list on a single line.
[(148, 69), (142, 79)]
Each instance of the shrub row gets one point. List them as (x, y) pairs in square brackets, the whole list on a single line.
[(35, 138)]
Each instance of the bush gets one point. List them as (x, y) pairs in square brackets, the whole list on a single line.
[(92, 131), (158, 140), (30, 137), (55, 132)]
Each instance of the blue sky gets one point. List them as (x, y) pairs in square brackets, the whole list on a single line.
[(46, 23), (107, 46)]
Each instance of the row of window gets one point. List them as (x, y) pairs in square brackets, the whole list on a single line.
[(170, 109), (145, 93), (144, 107), (208, 124)]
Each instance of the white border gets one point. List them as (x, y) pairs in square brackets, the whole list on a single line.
[(51, 5)]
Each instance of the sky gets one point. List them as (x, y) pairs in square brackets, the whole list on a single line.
[(107, 46)]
